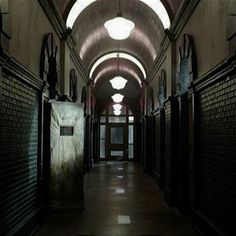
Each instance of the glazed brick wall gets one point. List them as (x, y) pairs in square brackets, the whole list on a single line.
[(216, 154), (18, 153)]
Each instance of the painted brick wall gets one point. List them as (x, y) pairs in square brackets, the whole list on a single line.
[(18, 154), (216, 154)]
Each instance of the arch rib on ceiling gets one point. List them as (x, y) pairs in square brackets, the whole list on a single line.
[(115, 55), (156, 5)]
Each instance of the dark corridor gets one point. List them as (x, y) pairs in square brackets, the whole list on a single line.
[(119, 201)]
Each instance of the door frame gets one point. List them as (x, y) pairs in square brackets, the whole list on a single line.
[(117, 147)]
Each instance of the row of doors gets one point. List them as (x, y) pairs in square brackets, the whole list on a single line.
[(166, 137)]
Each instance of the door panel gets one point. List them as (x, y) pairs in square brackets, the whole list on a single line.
[(117, 141)]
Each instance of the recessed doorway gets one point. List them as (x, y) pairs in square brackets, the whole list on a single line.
[(116, 141)]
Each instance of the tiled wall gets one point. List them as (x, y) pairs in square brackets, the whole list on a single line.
[(216, 153), (18, 154)]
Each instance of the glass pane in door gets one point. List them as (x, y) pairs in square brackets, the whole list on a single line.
[(117, 135), (102, 148), (131, 134), (117, 153), (131, 151)]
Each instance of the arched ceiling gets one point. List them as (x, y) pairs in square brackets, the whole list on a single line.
[(105, 72), (110, 68), (65, 6), (92, 42)]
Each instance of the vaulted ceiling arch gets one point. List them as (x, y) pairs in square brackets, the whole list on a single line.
[(109, 69), (156, 5), (119, 56), (93, 42)]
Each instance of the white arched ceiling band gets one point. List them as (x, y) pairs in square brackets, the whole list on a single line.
[(123, 69), (115, 55), (158, 7), (155, 5), (75, 11)]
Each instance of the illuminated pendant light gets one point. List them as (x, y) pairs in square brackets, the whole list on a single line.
[(117, 98), (116, 112), (117, 107), (119, 28), (131, 118), (118, 82)]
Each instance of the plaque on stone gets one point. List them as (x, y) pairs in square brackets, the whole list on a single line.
[(66, 131)]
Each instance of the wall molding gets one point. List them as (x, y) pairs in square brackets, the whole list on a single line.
[(12, 67), (54, 17), (222, 69), (183, 15)]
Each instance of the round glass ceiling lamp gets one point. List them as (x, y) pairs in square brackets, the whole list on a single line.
[(117, 107), (131, 118), (119, 28), (118, 82), (116, 112), (117, 98)]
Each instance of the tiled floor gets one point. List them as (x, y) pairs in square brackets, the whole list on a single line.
[(119, 201)]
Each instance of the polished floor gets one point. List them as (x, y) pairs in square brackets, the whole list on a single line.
[(119, 201)]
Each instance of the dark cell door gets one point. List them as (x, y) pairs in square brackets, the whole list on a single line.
[(117, 141)]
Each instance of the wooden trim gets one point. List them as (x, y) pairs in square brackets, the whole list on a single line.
[(12, 66), (54, 17), (68, 8), (224, 68), (183, 15)]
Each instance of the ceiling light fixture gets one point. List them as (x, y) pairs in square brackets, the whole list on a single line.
[(116, 112), (117, 107), (119, 28), (131, 118), (118, 82), (117, 98)]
